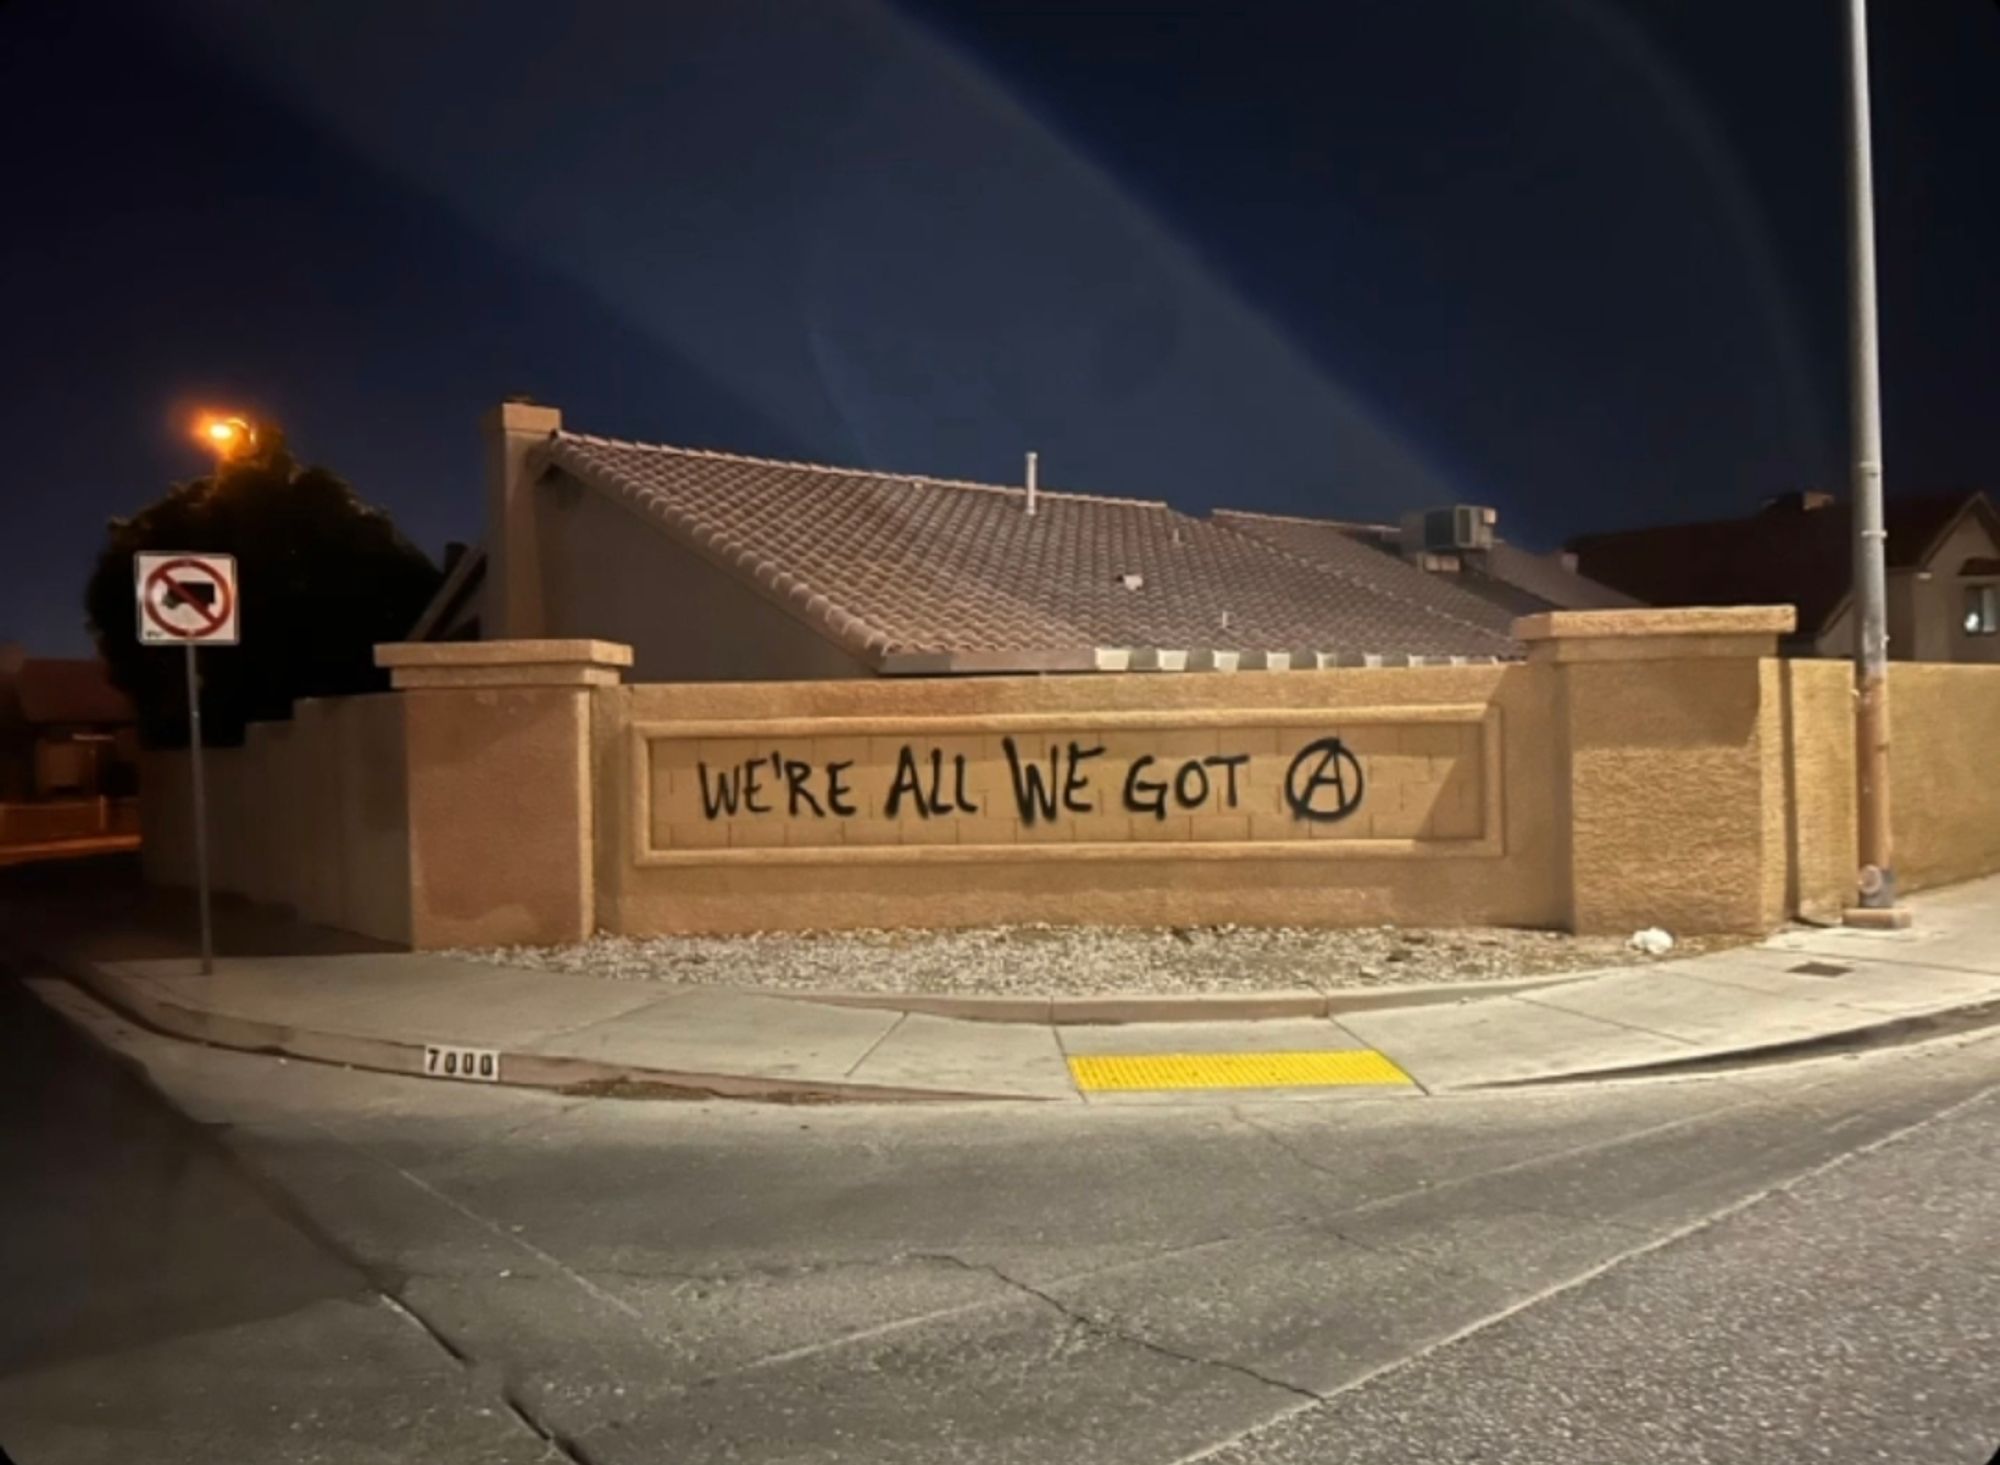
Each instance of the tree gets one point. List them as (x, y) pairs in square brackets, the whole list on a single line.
[(323, 578)]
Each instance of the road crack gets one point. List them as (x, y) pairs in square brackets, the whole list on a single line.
[(1101, 1327), (1323, 1219)]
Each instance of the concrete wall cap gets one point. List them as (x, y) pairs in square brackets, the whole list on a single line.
[(525, 417), (1733, 620), (502, 653)]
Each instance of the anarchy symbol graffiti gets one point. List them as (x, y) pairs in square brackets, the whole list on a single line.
[(1324, 782)]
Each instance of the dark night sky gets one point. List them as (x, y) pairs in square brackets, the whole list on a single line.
[(1581, 259)]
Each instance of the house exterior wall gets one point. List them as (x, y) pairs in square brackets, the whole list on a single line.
[(1910, 637), (608, 575), (1941, 612), (1922, 631), (1836, 638), (1926, 606)]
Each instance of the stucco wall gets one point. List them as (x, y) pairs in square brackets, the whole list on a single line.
[(1629, 773), (310, 814), (1441, 834), (373, 810), (1667, 780), (1818, 786), (1943, 730), (500, 815), (610, 574)]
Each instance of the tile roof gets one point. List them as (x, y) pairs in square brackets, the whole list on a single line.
[(1782, 555), (923, 573), (1542, 579), (1359, 550), (1492, 586)]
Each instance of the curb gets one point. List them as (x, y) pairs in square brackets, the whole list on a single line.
[(1891, 1032), (1102, 1011), (567, 1075)]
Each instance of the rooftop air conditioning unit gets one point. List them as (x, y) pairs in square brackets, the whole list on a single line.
[(1460, 527)]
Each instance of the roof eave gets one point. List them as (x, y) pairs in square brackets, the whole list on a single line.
[(447, 592), (1976, 503), (984, 663), (1154, 659)]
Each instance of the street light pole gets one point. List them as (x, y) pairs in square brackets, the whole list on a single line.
[(1876, 882)]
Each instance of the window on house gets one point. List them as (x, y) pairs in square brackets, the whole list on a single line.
[(1982, 610)]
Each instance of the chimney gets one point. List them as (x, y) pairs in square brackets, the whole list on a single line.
[(512, 605)]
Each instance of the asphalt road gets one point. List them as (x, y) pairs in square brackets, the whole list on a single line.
[(243, 1258)]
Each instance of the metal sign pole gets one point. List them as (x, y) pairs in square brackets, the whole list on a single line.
[(200, 813), (190, 598)]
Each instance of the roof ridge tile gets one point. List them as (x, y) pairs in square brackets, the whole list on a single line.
[(925, 480)]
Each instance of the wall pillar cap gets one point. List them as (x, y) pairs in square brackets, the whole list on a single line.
[(525, 417), (1655, 635), (542, 663)]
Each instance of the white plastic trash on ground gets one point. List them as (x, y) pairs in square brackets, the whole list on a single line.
[(1652, 941)]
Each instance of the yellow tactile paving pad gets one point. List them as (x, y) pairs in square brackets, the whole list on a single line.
[(1124, 1072)]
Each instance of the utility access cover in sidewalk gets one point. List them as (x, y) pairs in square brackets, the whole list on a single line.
[(1125, 1072)]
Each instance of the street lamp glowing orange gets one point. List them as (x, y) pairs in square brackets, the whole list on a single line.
[(228, 436)]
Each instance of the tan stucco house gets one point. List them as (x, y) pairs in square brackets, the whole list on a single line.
[(717, 566), (1943, 554)]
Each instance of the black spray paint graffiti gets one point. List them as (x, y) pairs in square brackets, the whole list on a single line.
[(1035, 794), (741, 785), (1189, 788), (909, 784), (1322, 784)]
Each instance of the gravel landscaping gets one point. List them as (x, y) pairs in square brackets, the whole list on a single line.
[(1054, 961)]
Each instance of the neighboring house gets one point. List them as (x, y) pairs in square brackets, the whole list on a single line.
[(1943, 553), (65, 731), (1484, 577), (716, 566)]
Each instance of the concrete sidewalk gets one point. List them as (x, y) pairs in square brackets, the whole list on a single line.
[(390, 1011)]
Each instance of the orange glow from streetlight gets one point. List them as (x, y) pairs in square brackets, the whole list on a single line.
[(228, 436)]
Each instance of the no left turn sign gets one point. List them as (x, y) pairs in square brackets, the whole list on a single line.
[(186, 599)]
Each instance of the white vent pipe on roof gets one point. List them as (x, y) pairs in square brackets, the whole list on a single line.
[(1031, 482)]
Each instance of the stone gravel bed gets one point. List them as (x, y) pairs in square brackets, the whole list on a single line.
[(1063, 961)]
